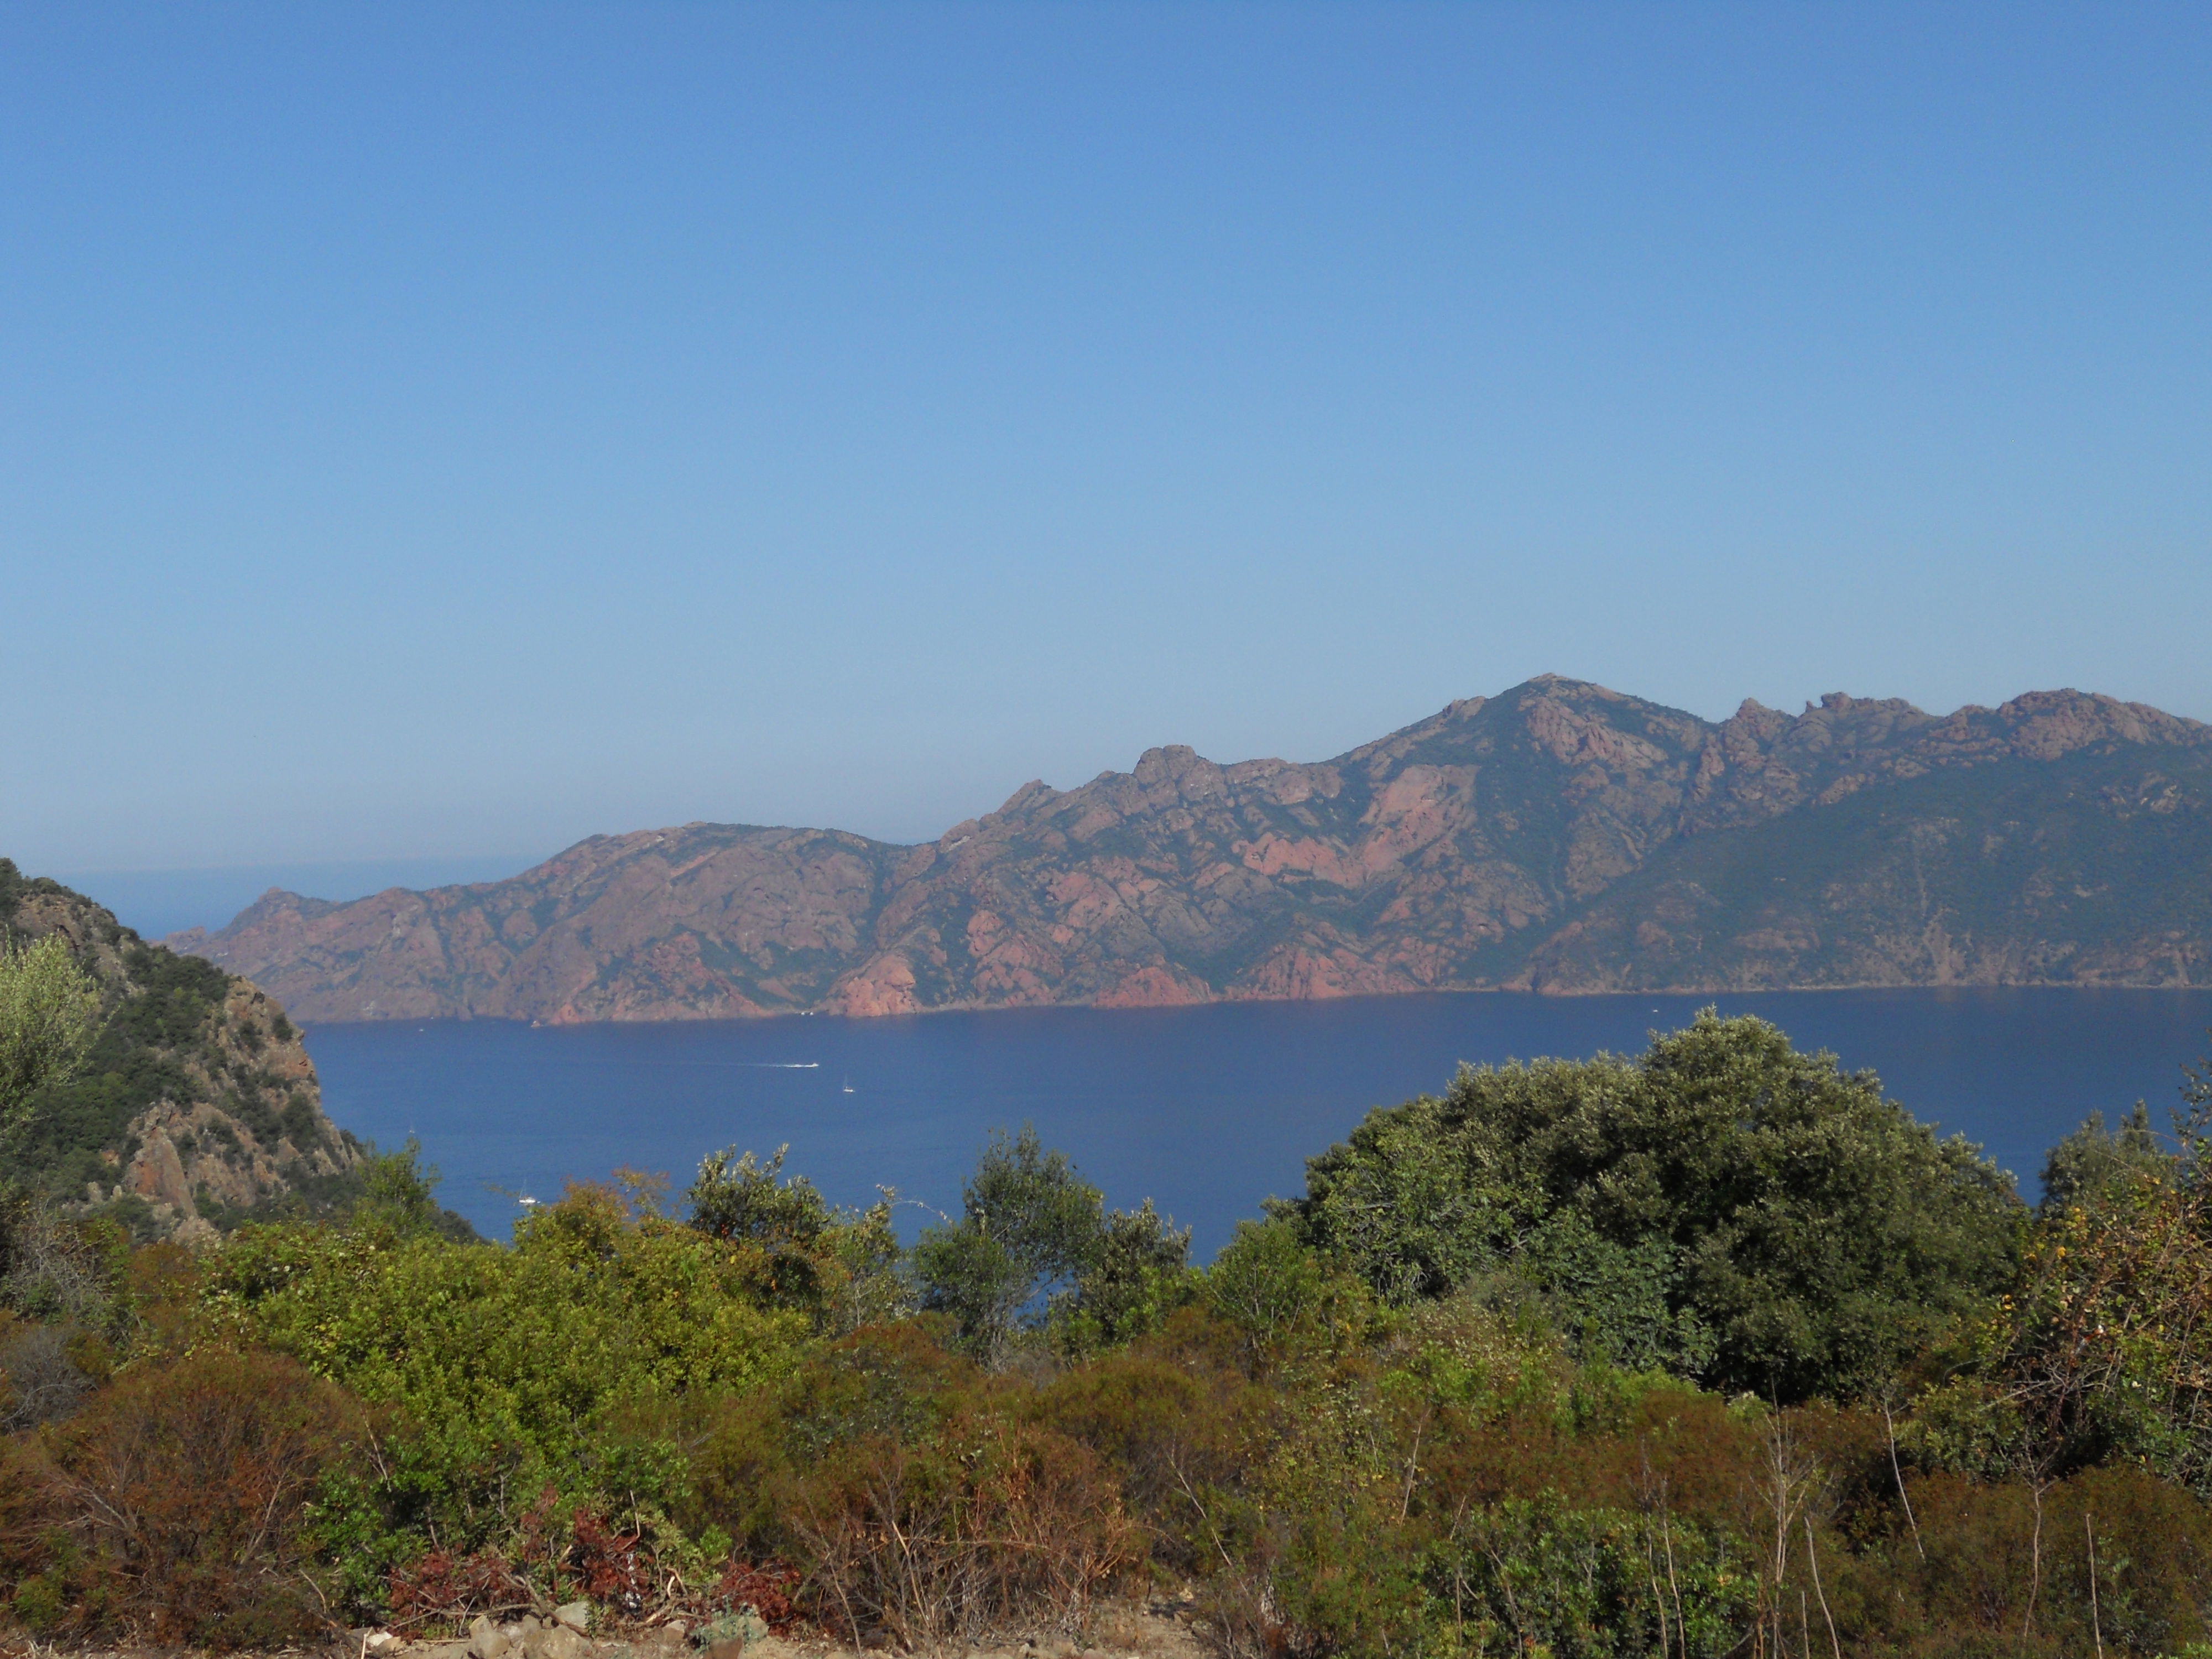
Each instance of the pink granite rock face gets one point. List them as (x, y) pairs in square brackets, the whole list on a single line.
[(1560, 836)]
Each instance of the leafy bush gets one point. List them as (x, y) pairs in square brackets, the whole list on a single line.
[(397, 1191), (1029, 1224), (1135, 1274), (843, 1265), (2103, 1348), (49, 1016), (507, 1370), (2094, 1163), (1724, 1205)]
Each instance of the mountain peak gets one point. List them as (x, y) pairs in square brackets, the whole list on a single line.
[(1560, 835)]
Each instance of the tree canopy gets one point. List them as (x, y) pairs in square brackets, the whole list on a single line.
[(49, 1019), (1722, 1206), (1035, 1239)]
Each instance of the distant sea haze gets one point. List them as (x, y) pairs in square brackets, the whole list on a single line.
[(156, 902), (1558, 837), (1207, 1110)]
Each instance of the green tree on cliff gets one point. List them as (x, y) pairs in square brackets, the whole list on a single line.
[(49, 1018)]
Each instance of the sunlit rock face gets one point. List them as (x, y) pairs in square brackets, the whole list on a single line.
[(199, 1101), (1559, 837)]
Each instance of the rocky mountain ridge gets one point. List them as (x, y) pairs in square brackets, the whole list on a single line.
[(198, 1105), (1559, 836)]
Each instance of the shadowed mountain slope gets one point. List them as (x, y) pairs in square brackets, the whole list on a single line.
[(1560, 836)]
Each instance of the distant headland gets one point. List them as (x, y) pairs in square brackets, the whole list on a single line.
[(1558, 837)]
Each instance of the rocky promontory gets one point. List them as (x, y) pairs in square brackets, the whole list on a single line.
[(198, 1105)]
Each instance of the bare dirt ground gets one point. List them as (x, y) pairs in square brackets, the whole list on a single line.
[(1118, 1631)]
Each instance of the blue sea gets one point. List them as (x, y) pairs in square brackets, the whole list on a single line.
[(1207, 1111)]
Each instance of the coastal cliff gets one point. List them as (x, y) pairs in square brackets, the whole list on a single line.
[(198, 1107), (1561, 837)]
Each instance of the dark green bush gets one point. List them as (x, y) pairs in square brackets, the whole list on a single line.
[(1036, 1248), (1722, 1205)]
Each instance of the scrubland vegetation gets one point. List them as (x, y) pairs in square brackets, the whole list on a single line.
[(1710, 1351)]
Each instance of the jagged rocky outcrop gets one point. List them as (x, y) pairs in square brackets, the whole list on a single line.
[(1560, 836), (198, 1105)]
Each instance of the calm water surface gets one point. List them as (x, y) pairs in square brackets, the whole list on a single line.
[(1205, 1110)]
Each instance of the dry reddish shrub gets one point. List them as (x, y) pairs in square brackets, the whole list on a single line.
[(589, 1556), (899, 1478), (1987, 1568), (440, 1584), (611, 1566), (770, 1589), (989, 1525), (186, 1489), (30, 1511)]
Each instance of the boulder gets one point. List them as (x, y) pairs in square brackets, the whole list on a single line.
[(735, 1631), (556, 1641)]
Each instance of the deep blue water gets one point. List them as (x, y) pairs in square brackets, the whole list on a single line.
[(1205, 1110)]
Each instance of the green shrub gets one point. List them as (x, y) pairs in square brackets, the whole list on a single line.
[(1747, 1214), (1029, 1224), (1035, 1250), (504, 1371), (841, 1265), (49, 1018)]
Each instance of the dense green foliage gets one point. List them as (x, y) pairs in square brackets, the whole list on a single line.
[(1722, 1207), (1034, 1244), (2102, 1351), (511, 1369), (2095, 1165), (49, 1016), (811, 1254), (164, 1020), (1595, 1375)]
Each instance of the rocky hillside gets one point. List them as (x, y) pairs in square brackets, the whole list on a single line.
[(1559, 836), (198, 1106)]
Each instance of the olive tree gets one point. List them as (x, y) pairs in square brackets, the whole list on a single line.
[(49, 1019), (1034, 1242)]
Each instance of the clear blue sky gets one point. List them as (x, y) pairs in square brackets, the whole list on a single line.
[(441, 432)]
